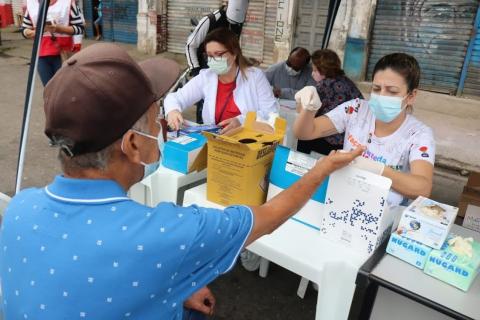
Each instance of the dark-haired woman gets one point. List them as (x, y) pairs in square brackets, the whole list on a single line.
[(333, 88), (230, 87), (399, 146)]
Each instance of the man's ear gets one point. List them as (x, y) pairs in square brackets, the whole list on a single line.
[(130, 146)]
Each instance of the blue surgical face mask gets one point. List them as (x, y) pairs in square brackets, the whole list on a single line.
[(385, 108), (150, 168), (219, 65)]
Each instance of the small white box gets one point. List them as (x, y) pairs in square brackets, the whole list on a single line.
[(427, 222)]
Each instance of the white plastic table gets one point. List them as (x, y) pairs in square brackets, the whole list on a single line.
[(303, 251), (163, 186), (288, 112)]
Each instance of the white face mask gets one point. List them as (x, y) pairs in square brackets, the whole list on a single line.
[(219, 65), (291, 72)]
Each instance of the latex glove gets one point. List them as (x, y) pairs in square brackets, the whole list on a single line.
[(175, 120), (462, 246), (369, 165), (203, 300), (308, 98)]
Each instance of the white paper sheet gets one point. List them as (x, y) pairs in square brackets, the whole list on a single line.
[(356, 209)]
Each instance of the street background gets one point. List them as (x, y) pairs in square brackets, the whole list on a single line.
[(455, 122)]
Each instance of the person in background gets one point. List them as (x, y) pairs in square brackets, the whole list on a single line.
[(333, 88), (78, 39), (99, 21), (287, 77), (64, 20), (231, 17), (398, 146), (80, 248), (230, 87)]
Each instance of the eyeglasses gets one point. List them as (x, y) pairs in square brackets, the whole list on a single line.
[(218, 57)]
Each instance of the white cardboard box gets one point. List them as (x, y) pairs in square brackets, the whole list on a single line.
[(427, 222)]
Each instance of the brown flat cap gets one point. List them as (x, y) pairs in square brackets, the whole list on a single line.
[(99, 94)]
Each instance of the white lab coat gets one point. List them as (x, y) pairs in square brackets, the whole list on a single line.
[(252, 93)]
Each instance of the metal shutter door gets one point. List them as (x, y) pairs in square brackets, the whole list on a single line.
[(252, 37), (88, 14), (435, 32), (310, 22), (179, 13), (472, 82), (269, 34), (108, 16), (125, 21)]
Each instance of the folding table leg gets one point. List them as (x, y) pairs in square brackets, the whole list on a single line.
[(302, 287), (264, 264)]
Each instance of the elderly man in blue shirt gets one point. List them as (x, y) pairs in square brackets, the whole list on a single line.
[(80, 248)]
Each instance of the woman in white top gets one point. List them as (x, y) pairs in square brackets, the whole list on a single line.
[(402, 148), (230, 87)]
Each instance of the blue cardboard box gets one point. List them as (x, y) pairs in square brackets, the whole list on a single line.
[(287, 168), (410, 251), (186, 153)]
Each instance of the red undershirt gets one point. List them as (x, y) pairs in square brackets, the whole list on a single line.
[(224, 90)]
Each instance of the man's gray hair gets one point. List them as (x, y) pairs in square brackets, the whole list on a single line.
[(93, 160)]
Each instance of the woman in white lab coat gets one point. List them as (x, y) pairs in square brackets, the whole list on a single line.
[(230, 87)]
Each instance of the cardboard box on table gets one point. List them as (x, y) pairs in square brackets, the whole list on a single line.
[(408, 250), (469, 204), (186, 153), (427, 222), (458, 270), (356, 210), (287, 168), (239, 162)]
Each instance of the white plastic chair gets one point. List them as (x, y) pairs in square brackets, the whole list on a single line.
[(164, 185)]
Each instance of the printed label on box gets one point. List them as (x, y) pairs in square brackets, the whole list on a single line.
[(299, 163), (183, 140), (408, 250)]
